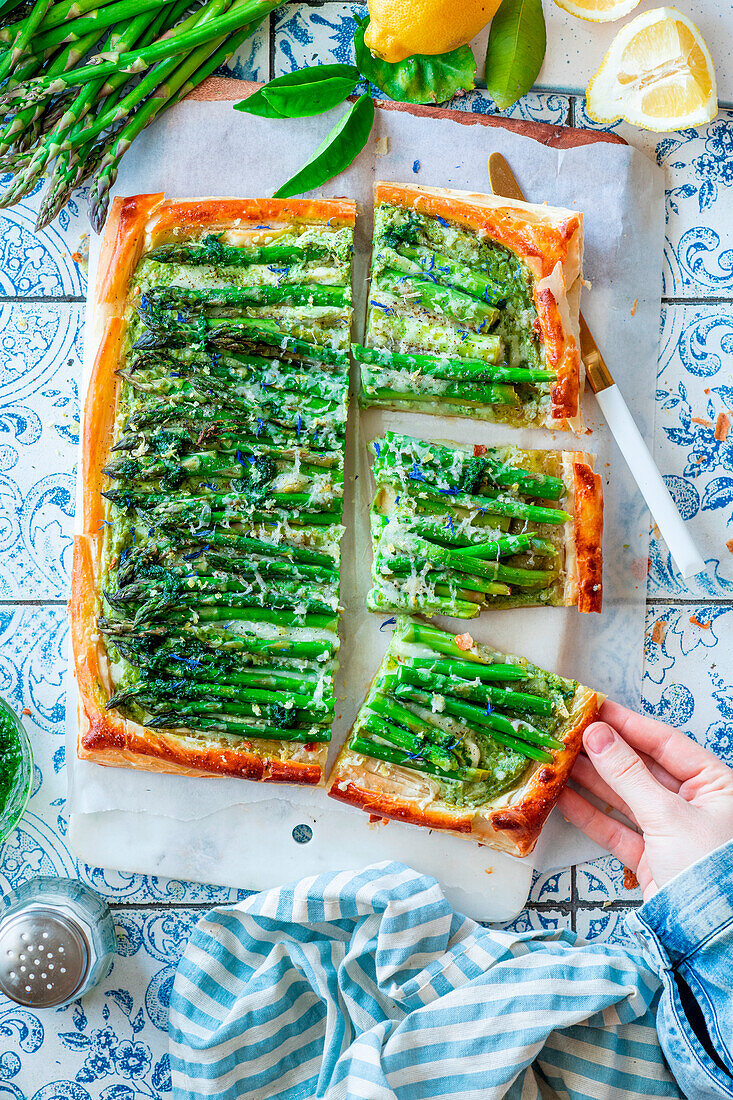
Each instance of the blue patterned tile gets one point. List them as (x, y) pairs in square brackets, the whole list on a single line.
[(40, 365), (687, 672), (550, 886), (533, 920), (114, 1043), (46, 264), (694, 409), (606, 879), (698, 164), (306, 35), (603, 926), (252, 60), (33, 656)]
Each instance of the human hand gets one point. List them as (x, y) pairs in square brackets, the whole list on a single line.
[(674, 792)]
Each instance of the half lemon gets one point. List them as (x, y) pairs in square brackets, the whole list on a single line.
[(598, 11), (657, 74)]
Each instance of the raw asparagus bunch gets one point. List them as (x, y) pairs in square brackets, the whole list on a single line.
[(469, 718), (221, 596), (454, 532), (80, 79)]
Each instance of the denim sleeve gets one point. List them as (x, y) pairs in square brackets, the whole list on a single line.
[(686, 931)]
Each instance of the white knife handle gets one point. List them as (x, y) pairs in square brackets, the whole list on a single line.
[(650, 481)]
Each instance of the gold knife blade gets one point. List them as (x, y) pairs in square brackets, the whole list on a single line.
[(504, 183)]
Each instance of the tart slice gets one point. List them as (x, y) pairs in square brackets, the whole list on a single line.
[(473, 308), (205, 602), (458, 736), (458, 529)]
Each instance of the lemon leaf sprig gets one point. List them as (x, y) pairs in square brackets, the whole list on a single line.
[(516, 50), (422, 78)]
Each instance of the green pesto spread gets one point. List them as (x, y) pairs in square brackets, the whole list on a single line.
[(11, 758)]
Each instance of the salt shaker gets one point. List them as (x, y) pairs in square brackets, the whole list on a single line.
[(57, 941)]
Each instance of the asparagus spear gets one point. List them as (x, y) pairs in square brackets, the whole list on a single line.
[(435, 366), (178, 42)]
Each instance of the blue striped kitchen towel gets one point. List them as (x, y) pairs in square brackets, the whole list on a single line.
[(366, 984)]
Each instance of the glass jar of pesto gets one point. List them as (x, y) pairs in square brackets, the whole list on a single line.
[(16, 770)]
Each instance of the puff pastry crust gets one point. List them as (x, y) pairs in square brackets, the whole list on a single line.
[(135, 225)]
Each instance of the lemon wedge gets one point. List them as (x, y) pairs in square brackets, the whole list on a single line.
[(657, 74), (598, 11)]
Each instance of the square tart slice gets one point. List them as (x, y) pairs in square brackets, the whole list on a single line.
[(473, 308), (205, 601), (458, 736), (460, 529)]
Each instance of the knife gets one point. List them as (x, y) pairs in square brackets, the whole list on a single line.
[(620, 421)]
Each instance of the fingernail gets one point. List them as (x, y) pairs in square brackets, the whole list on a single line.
[(599, 737)]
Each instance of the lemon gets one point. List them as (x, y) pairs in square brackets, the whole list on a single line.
[(657, 74), (598, 11), (401, 28)]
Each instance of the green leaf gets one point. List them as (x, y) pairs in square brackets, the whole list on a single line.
[(423, 78), (258, 104), (308, 91), (516, 50), (336, 152)]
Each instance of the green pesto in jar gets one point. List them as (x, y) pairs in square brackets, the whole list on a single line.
[(11, 758)]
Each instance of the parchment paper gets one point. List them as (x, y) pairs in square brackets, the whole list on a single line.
[(213, 830)]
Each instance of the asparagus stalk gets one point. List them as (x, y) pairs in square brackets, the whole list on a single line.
[(12, 58), (245, 730), (501, 506), (413, 259), (513, 700), (123, 36), (436, 366), (212, 252), (134, 62), (368, 747), (471, 672), (423, 291), (308, 294)]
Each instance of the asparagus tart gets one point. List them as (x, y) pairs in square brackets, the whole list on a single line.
[(457, 736), (473, 308), (206, 576), (459, 529)]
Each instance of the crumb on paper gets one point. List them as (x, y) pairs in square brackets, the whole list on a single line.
[(729, 546), (696, 622), (640, 567), (722, 427), (27, 711), (702, 421), (634, 307), (464, 641), (381, 146), (81, 256), (376, 819), (706, 390), (631, 882), (488, 870), (659, 631)]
